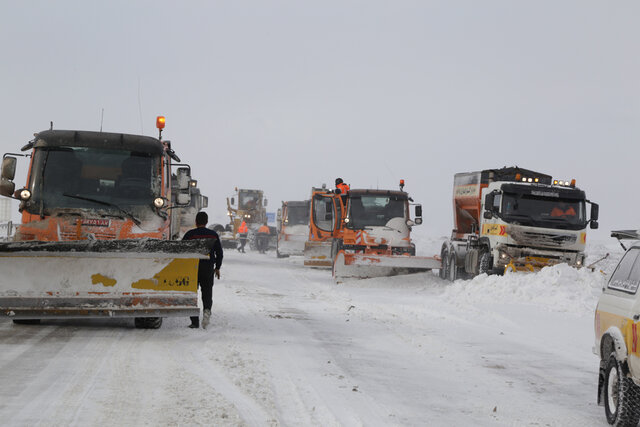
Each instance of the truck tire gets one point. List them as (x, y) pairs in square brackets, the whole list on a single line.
[(485, 264), (452, 273), (148, 322), (621, 395), (444, 257)]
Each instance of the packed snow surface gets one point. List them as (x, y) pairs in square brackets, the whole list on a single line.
[(288, 346)]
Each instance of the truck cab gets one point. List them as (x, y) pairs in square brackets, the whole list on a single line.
[(97, 186), (535, 225)]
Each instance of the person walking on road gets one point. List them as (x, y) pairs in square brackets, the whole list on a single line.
[(207, 268), (243, 231)]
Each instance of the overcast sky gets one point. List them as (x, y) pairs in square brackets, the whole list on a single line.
[(285, 95)]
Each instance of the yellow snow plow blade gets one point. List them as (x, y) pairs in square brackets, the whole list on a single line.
[(104, 278), (529, 264), (317, 254), (365, 266)]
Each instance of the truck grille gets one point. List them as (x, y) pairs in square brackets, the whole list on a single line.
[(540, 239)]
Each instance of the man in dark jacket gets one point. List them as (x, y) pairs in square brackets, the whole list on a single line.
[(206, 268)]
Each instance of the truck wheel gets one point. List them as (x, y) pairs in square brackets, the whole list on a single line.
[(485, 263), (444, 256), (621, 395), (452, 268), (148, 322), (26, 321)]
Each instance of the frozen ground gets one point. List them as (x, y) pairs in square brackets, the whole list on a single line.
[(289, 347)]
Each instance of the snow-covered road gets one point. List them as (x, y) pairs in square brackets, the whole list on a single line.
[(287, 346)]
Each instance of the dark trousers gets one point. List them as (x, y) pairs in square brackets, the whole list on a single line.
[(205, 283)]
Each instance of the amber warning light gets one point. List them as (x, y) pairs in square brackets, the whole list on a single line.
[(160, 122)]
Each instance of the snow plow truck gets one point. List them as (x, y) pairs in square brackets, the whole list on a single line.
[(370, 233), (293, 228), (96, 233), (250, 206), (515, 219)]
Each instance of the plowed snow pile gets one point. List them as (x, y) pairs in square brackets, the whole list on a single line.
[(560, 288)]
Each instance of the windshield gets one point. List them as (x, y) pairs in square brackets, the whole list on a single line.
[(366, 211), (248, 201), (81, 177), (297, 215), (548, 212)]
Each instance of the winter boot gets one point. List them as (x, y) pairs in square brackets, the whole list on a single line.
[(206, 317)]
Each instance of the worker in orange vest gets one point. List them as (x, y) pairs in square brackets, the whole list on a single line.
[(263, 238), (243, 231), (340, 185)]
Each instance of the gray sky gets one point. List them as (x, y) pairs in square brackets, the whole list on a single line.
[(284, 95)]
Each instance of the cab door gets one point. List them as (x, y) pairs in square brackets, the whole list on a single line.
[(324, 217)]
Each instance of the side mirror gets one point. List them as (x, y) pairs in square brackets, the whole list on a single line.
[(595, 209), (488, 203), (7, 187), (487, 215), (265, 202), (233, 200), (8, 168), (593, 224), (183, 179), (205, 202), (279, 215), (418, 212)]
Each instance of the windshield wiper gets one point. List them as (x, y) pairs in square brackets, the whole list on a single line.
[(135, 220)]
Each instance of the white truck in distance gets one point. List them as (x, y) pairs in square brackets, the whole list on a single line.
[(517, 219)]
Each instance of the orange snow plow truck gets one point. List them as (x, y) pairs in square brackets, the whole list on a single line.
[(370, 233), (97, 229)]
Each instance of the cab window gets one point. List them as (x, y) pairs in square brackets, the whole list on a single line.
[(323, 213), (626, 277)]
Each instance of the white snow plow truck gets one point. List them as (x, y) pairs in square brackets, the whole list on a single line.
[(97, 224), (515, 219), (293, 228)]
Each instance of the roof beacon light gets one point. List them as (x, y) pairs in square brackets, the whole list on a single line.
[(160, 125), (160, 120), (573, 182), (518, 177), (401, 184)]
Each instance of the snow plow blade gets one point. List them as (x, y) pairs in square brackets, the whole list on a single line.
[(100, 278), (317, 254), (366, 266)]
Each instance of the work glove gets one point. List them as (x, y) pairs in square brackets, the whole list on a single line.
[(217, 273)]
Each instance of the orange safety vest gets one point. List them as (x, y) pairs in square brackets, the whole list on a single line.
[(263, 229), (343, 188), (243, 228), (559, 212)]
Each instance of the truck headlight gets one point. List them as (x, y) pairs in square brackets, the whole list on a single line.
[(25, 194), (158, 202)]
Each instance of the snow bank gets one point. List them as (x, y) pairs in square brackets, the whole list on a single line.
[(560, 288)]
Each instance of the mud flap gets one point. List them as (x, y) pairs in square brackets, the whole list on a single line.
[(317, 254), (364, 266), (104, 278)]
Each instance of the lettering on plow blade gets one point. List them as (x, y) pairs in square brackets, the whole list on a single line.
[(106, 281), (179, 275)]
